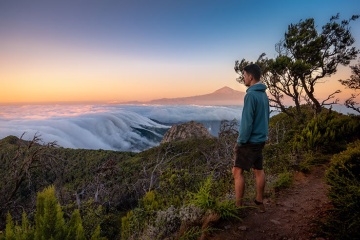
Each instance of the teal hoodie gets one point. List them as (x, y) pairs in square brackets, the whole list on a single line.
[(255, 116)]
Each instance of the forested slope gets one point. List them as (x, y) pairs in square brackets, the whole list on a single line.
[(179, 189)]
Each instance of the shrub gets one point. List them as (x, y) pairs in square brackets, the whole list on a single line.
[(284, 181), (329, 132), (134, 223), (165, 224), (207, 201), (49, 222), (343, 176)]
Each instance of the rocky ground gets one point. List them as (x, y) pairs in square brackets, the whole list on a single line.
[(292, 214)]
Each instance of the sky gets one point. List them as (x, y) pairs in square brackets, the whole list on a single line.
[(124, 50)]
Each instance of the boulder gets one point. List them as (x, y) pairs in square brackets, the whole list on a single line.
[(185, 131)]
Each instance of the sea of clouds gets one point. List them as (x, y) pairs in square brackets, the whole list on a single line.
[(109, 127)]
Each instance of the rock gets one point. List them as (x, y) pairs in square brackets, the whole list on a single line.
[(227, 227), (242, 228), (186, 130), (275, 222)]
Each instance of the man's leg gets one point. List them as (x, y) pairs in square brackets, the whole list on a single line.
[(260, 184), (239, 181)]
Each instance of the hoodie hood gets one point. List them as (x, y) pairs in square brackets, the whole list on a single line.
[(257, 87)]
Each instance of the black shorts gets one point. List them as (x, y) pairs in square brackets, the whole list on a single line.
[(249, 156)]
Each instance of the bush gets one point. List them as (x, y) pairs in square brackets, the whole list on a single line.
[(329, 132), (205, 199), (343, 176), (49, 222), (284, 181)]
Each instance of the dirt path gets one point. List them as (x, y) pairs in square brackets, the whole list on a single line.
[(292, 215)]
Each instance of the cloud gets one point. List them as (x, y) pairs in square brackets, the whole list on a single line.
[(110, 127), (181, 113)]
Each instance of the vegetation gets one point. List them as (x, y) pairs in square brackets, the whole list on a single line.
[(176, 190), (343, 176), (353, 83), (305, 58), (49, 222)]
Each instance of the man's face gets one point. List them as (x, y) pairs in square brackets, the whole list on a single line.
[(247, 78)]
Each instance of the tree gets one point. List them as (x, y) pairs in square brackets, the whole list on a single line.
[(10, 228), (15, 232), (96, 235), (49, 220), (353, 83), (75, 228), (305, 58), (20, 182)]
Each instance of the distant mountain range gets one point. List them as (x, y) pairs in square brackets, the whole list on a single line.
[(222, 96)]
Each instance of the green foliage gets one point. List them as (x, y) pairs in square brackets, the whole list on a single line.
[(126, 225), (329, 132), (149, 220), (97, 234), (75, 228), (192, 234), (343, 177), (278, 158), (36, 166), (27, 232), (173, 185), (284, 180), (10, 228), (312, 158), (15, 232), (353, 83), (92, 215), (205, 199), (49, 220), (149, 202), (134, 222), (280, 154), (227, 209)]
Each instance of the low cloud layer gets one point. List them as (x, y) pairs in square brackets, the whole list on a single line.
[(110, 127)]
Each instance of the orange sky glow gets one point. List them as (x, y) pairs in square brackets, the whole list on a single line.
[(61, 51)]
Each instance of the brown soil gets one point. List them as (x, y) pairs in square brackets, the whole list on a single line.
[(293, 214)]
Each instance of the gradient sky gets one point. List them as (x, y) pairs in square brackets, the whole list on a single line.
[(123, 50)]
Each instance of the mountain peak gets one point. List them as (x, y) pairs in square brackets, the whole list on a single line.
[(225, 90), (222, 96)]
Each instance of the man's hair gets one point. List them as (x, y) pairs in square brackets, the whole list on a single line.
[(254, 70)]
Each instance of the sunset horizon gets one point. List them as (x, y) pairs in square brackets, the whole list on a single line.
[(345, 94), (104, 52)]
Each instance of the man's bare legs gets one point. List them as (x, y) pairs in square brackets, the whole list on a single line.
[(239, 181), (260, 184)]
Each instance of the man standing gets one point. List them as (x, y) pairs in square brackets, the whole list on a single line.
[(253, 133)]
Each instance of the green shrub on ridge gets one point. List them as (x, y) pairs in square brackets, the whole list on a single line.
[(343, 176)]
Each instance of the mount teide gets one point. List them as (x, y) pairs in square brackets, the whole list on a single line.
[(222, 96)]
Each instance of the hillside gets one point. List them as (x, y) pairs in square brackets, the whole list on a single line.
[(222, 96), (184, 189)]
